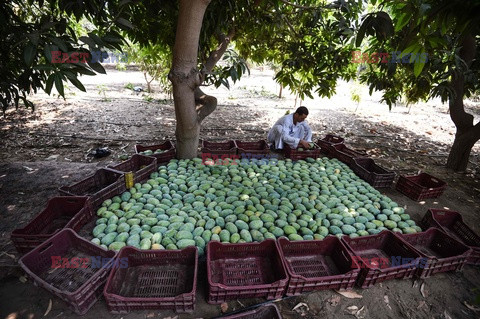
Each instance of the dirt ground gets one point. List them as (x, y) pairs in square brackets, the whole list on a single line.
[(44, 150)]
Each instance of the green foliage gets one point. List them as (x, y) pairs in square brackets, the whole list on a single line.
[(434, 28), (232, 66), (154, 61), (31, 30)]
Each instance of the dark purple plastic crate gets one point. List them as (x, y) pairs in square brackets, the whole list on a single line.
[(318, 265), (102, 185), (246, 149), (420, 187), (154, 279), (61, 212), (345, 154), (219, 148), (162, 158), (375, 175), (452, 223), (141, 166), (268, 311), (375, 254), (327, 142), (246, 270), (80, 286), (295, 154), (439, 251)]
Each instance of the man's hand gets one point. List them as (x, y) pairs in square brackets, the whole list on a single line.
[(305, 144)]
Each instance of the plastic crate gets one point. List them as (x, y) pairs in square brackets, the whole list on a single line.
[(61, 212), (102, 185), (376, 255), (440, 252), (452, 223), (345, 154), (269, 311), (219, 148), (164, 157), (246, 270), (80, 286), (154, 279), (375, 175), (422, 186), (141, 166), (246, 149), (327, 142), (318, 265), (295, 154)]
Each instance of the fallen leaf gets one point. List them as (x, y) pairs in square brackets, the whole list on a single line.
[(48, 308), (224, 307), (359, 313), (385, 298), (302, 304), (302, 309), (422, 290), (334, 301), (421, 304), (349, 294), (469, 306), (415, 284), (352, 310), (446, 315), (22, 279)]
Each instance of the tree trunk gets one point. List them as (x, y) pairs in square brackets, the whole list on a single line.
[(185, 77), (467, 134)]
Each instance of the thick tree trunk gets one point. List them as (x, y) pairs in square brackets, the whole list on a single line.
[(467, 134), (185, 77)]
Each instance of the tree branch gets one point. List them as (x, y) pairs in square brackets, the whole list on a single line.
[(206, 104), (215, 56)]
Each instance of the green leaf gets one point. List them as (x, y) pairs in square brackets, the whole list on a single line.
[(48, 52), (418, 67), (87, 41), (402, 21), (29, 54), (61, 44), (48, 86), (97, 67), (34, 37), (59, 84), (77, 83), (125, 23)]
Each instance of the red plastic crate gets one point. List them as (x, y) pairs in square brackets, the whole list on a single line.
[(102, 185), (375, 175), (79, 287), (327, 142), (269, 311), (422, 186), (440, 252), (246, 270), (154, 279), (222, 148), (345, 154), (246, 149), (141, 166), (61, 212), (295, 154), (318, 265), (452, 223), (387, 247), (161, 157)]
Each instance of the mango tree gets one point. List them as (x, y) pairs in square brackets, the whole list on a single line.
[(434, 45)]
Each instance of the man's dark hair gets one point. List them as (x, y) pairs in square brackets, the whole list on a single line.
[(302, 110)]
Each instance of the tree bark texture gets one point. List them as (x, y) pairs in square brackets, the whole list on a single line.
[(467, 133), (185, 77)]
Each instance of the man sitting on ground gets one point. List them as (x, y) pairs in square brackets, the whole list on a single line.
[(292, 130)]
